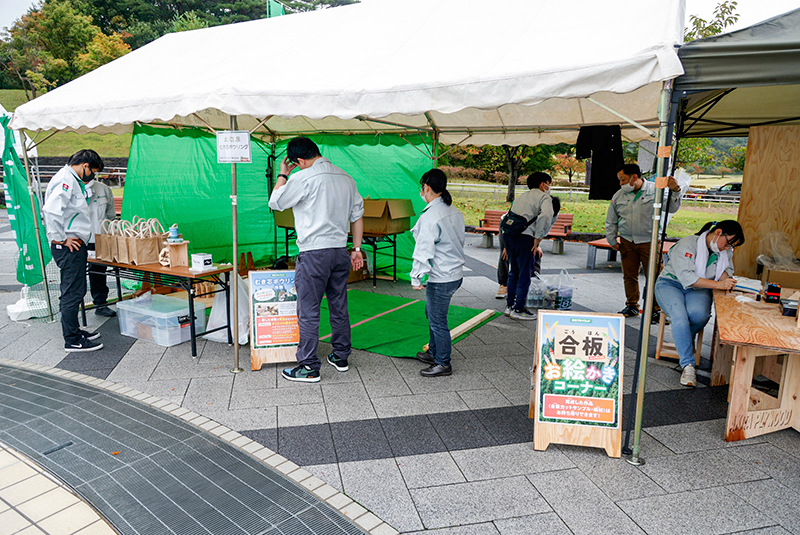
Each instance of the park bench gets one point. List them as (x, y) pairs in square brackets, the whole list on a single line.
[(490, 225), (602, 243), (560, 230), (118, 205)]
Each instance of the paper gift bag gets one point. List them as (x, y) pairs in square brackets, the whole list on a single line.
[(144, 250), (105, 242), (145, 246), (121, 254)]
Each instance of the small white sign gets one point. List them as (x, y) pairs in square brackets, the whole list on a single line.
[(233, 146)]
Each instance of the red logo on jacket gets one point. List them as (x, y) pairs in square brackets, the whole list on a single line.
[(688, 255)]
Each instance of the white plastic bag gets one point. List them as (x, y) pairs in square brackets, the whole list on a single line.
[(565, 289), (218, 317)]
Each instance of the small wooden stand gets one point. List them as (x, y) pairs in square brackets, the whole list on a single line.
[(178, 254)]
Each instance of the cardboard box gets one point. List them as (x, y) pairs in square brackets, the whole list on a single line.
[(387, 216), (285, 218), (381, 216), (787, 279)]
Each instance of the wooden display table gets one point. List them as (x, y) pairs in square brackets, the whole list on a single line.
[(176, 277), (756, 339)]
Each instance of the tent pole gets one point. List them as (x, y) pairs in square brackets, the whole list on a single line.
[(235, 287), (661, 168), (36, 225)]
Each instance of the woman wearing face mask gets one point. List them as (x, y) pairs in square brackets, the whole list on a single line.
[(697, 264), (439, 254)]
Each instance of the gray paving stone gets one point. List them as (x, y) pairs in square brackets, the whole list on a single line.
[(266, 377), (379, 486), (433, 469), (208, 393), (773, 461), (772, 499), (508, 461), (771, 530), (244, 419), (329, 473), (301, 415), (569, 493), (696, 436), (463, 378), (619, 480), (705, 511), (472, 529), (413, 405), (787, 440), (477, 501), (347, 401), (484, 399), (276, 397), (548, 523), (689, 471)]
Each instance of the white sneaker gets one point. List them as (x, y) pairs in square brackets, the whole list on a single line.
[(688, 377), (507, 311)]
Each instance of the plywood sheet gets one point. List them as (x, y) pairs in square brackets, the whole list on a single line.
[(770, 191)]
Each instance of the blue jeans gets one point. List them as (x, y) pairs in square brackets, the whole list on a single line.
[(688, 311), (520, 257), (437, 302)]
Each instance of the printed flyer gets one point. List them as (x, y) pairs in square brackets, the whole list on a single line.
[(274, 309), (579, 367)]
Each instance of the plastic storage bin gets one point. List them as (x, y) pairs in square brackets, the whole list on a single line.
[(160, 319)]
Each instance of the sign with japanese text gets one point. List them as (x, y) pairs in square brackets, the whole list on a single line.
[(233, 146), (273, 299), (579, 368)]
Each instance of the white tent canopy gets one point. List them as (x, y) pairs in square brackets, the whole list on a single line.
[(503, 72)]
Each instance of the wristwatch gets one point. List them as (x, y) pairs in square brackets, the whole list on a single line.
[(357, 249), (283, 175)]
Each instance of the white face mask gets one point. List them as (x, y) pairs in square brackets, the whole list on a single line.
[(626, 188), (714, 245), (422, 194)]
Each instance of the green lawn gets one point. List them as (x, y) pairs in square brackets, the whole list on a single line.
[(590, 216), (65, 144)]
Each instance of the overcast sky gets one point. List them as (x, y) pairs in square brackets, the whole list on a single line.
[(750, 11)]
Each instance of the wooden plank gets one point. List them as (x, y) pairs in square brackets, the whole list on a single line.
[(470, 323), (755, 324), (770, 191)]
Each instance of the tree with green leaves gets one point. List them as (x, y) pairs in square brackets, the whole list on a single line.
[(735, 158), (724, 15), (297, 6)]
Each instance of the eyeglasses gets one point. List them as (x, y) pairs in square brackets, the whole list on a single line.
[(728, 242)]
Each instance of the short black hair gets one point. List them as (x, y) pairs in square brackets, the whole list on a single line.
[(535, 179), (556, 205), (301, 147), (87, 156), (631, 169)]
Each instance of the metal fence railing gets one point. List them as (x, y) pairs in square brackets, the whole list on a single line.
[(497, 192)]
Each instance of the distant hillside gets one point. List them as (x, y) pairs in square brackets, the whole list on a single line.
[(67, 143)]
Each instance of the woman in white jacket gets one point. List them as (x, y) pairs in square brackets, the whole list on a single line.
[(439, 255)]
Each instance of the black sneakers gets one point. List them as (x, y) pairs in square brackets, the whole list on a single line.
[(424, 356), (105, 311), (89, 336), (339, 364), (302, 374), (629, 311), (83, 344)]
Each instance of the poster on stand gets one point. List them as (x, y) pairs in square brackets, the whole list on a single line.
[(273, 309), (577, 386)]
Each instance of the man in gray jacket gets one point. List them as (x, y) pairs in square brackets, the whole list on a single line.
[(325, 202), (101, 207), (630, 218), (69, 229)]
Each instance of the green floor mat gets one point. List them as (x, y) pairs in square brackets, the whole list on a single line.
[(391, 325)]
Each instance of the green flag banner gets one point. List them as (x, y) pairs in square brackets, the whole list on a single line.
[(15, 184)]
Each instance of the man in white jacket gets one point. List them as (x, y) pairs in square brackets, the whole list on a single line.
[(69, 229), (101, 207)]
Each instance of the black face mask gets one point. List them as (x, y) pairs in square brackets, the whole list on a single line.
[(88, 178)]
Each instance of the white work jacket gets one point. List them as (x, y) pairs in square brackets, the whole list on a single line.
[(65, 209)]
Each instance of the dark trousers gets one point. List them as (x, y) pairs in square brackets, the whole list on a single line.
[(437, 304), (520, 259), (97, 282), (633, 255), (73, 287), (318, 273), (502, 265)]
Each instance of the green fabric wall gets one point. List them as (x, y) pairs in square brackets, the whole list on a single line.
[(173, 176)]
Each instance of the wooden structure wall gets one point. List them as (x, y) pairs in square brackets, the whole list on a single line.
[(770, 192)]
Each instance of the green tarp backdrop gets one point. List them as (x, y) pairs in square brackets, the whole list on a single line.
[(18, 203), (173, 175)]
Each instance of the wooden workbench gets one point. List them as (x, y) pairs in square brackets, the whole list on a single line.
[(756, 339)]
